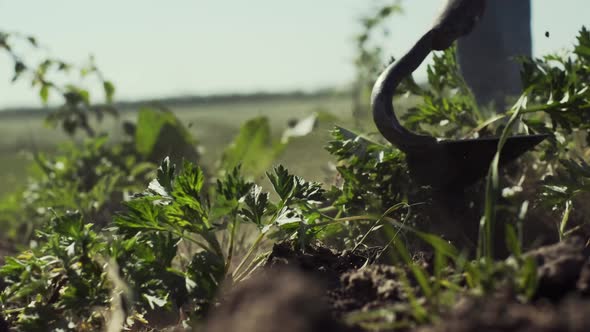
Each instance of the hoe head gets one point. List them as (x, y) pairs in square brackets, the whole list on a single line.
[(455, 164)]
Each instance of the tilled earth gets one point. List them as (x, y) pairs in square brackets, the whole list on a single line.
[(316, 288)]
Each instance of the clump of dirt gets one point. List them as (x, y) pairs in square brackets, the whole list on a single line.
[(352, 281), (318, 261), (505, 314), (560, 303), (563, 268), (367, 288), (275, 300)]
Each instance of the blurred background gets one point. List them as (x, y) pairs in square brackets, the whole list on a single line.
[(217, 64)]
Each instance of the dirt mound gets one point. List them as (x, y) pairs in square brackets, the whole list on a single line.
[(318, 261), (563, 268), (503, 314), (560, 303), (367, 288), (276, 300), (322, 286)]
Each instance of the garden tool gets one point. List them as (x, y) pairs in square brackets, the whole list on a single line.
[(439, 162)]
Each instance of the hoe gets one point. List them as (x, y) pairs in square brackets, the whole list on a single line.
[(450, 164)]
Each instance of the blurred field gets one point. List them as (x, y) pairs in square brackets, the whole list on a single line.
[(213, 125)]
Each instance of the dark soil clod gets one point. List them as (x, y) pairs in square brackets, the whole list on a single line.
[(367, 288), (275, 300), (562, 268), (506, 315), (319, 261)]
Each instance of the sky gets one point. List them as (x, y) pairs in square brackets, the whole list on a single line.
[(152, 48)]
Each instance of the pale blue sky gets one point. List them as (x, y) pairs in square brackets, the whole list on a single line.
[(152, 48)]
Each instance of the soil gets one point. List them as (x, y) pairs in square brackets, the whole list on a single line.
[(368, 288), (563, 269), (503, 313), (278, 300), (317, 261), (322, 286)]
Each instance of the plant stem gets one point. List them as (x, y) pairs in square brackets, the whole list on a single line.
[(230, 250), (565, 219), (327, 209), (251, 266), (249, 253), (492, 183)]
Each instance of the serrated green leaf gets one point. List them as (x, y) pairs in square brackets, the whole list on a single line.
[(256, 205), (290, 187), (187, 187)]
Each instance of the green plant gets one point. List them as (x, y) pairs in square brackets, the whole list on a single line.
[(554, 100), (92, 175), (74, 113), (95, 176), (448, 107), (145, 243)]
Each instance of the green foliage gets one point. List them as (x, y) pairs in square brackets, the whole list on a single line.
[(293, 189), (573, 178), (145, 240), (488, 221), (171, 245), (561, 189), (559, 86), (555, 100), (59, 283), (92, 177), (374, 177), (449, 108)]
